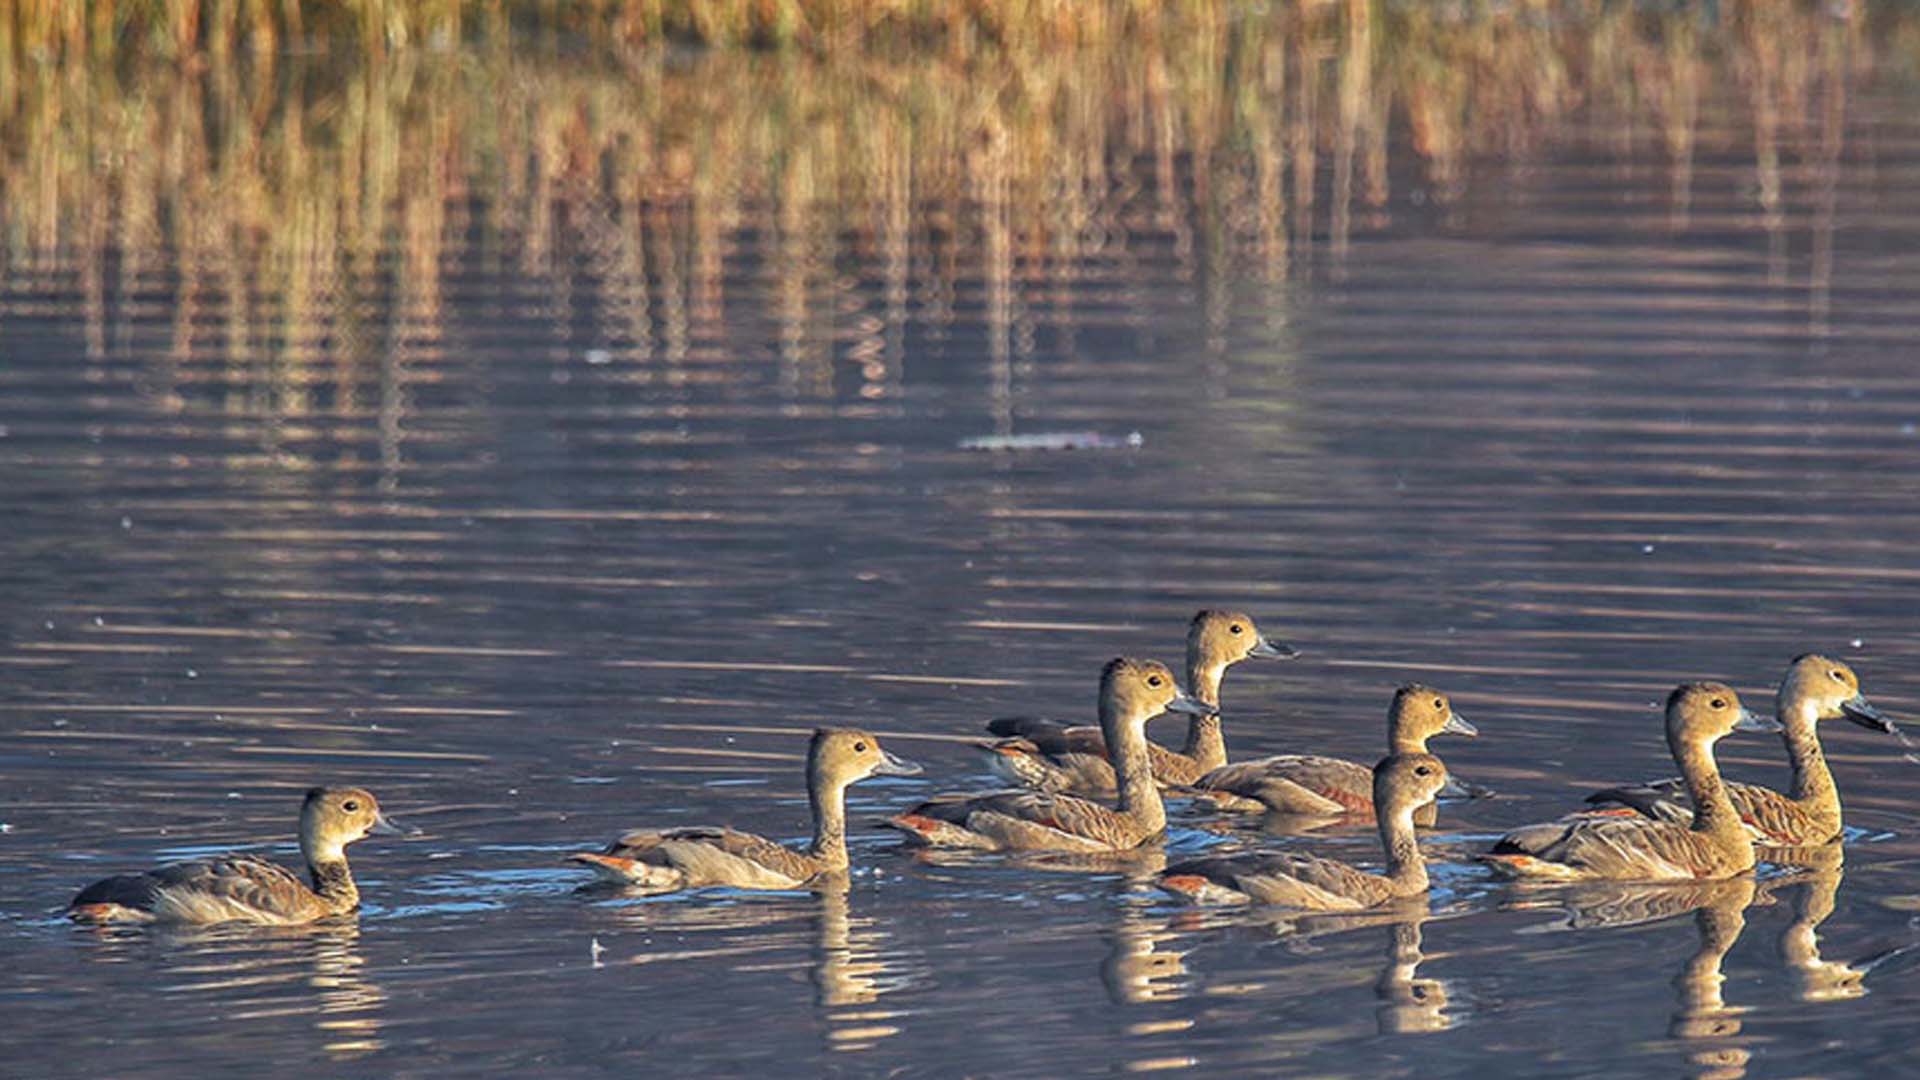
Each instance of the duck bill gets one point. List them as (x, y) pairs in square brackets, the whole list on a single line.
[(386, 826), (1752, 721), (1457, 725), (1454, 789), (1861, 711), (895, 765), (1181, 703), (1273, 650)]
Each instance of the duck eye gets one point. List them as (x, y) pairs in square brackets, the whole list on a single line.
[(1439, 704), (1234, 629), (1837, 677), (1153, 680), (1421, 771), (349, 806), (1719, 703), (859, 748)]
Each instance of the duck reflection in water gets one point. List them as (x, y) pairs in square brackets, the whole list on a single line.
[(853, 971), (315, 970), (1409, 1003), (1709, 1030), (1138, 969), (1815, 891), (350, 1003), (848, 957)]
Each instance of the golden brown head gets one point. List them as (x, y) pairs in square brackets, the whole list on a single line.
[(1404, 781), (1821, 688), (1220, 638), (846, 755), (1420, 712), (1138, 690), (1705, 712), (332, 818)]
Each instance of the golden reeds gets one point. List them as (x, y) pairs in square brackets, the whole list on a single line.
[(299, 213)]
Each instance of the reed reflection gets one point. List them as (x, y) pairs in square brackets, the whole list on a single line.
[(299, 227)]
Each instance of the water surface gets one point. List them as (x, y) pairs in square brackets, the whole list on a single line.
[(548, 442)]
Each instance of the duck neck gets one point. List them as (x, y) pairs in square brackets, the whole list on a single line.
[(829, 801), (1206, 742), (1403, 739), (1813, 786), (1405, 868), (1712, 811), (332, 878), (1127, 750)]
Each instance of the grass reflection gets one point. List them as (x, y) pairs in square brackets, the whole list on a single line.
[(290, 228)]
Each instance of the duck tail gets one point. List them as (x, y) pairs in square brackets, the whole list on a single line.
[(618, 870), (106, 913), (1516, 865)]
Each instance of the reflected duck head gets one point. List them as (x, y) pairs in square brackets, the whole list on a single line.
[(843, 756), (1821, 688)]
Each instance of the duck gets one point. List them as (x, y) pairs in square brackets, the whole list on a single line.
[(1815, 688), (1051, 756), (1401, 784), (1131, 693), (1715, 845), (1312, 785), (246, 888), (657, 861)]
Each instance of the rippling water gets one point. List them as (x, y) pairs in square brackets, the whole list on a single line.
[(548, 444)]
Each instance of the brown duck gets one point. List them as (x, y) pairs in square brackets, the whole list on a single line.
[(1716, 845), (1815, 688), (1310, 784), (669, 860), (246, 888), (1051, 756), (1401, 784), (1131, 693)]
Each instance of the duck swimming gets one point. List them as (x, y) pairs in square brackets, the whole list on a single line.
[(670, 860), (1716, 845), (1131, 693), (1815, 688), (246, 888), (1310, 784), (1401, 783), (1052, 756)]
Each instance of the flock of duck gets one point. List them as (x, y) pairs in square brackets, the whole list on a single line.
[(1100, 790)]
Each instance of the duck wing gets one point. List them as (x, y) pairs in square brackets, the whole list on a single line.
[(710, 855), (1769, 816), (1024, 821), (1051, 736), (1296, 784), (1620, 849), (221, 889), (1291, 879)]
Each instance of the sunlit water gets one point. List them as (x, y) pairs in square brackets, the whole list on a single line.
[(561, 480)]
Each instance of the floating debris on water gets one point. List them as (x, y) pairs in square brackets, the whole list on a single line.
[(1054, 440)]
